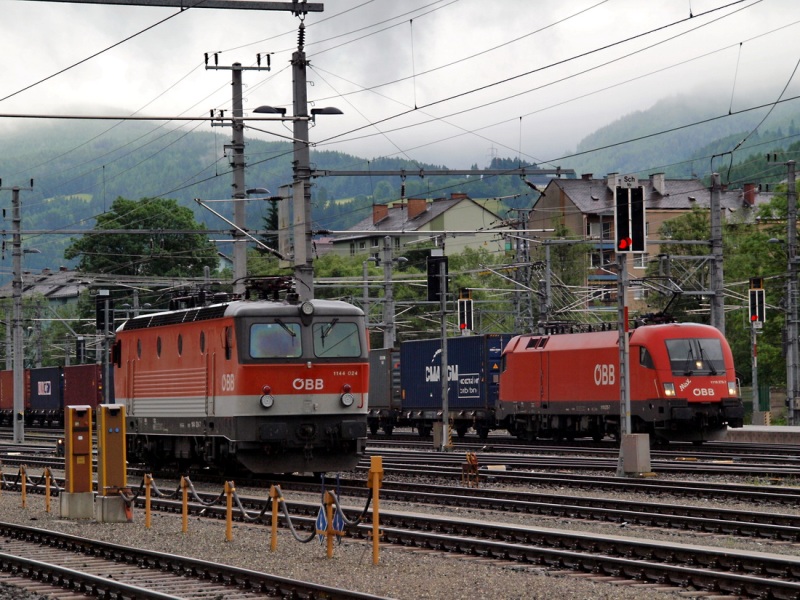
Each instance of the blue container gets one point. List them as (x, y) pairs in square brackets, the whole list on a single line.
[(46, 389), (473, 366)]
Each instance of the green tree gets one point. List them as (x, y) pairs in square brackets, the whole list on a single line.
[(164, 247)]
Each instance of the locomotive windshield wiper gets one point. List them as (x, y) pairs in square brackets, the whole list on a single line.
[(327, 328), (689, 361), (711, 368), (285, 328)]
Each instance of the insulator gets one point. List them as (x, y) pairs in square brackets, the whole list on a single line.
[(206, 56), (301, 37), (269, 61), (216, 59), (258, 59)]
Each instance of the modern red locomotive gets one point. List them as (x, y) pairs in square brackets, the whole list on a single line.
[(683, 385), (271, 386)]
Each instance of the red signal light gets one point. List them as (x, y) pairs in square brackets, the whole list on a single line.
[(754, 317), (463, 326), (624, 243)]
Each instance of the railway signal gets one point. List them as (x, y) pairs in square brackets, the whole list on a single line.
[(434, 278), (465, 312), (756, 308), (629, 217)]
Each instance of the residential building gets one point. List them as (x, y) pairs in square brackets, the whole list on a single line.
[(585, 206), (466, 223)]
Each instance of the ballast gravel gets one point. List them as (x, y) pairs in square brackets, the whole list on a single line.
[(410, 574)]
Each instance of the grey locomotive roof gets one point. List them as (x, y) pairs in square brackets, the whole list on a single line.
[(239, 308), (256, 308)]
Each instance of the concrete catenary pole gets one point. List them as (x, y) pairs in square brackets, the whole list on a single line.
[(717, 275), (301, 195)]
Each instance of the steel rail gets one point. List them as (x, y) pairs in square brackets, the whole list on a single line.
[(184, 569)]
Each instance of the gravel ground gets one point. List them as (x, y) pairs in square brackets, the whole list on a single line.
[(401, 573)]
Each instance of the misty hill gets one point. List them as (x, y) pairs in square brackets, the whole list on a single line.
[(80, 168)]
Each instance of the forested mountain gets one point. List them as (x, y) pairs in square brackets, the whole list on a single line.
[(80, 167), (683, 150)]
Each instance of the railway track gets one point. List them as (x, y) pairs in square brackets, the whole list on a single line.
[(48, 562), (604, 461), (718, 570)]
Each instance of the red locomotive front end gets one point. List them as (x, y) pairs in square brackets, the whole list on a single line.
[(267, 386)]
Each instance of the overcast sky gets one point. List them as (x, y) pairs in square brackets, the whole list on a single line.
[(509, 78)]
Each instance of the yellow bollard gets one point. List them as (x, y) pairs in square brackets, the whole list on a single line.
[(274, 493), (23, 477), (185, 509), (229, 489), (47, 489), (148, 481), (374, 482)]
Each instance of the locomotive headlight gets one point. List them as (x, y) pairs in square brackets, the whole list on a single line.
[(733, 389), (347, 397), (669, 390), (307, 309)]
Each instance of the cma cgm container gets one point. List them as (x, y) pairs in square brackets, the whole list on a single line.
[(473, 374), (385, 402)]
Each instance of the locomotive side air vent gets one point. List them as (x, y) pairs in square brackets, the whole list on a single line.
[(183, 316), (211, 312), (536, 343)]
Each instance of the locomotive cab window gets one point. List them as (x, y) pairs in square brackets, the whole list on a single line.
[(280, 339), (696, 356), (336, 339), (645, 358)]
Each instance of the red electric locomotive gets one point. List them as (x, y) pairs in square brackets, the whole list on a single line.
[(682, 384), (270, 386)]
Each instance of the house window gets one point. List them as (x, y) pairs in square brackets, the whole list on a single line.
[(601, 259), (640, 260), (375, 242), (599, 230), (362, 245), (639, 293)]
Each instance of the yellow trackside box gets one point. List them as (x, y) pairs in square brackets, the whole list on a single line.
[(78, 449), (112, 473)]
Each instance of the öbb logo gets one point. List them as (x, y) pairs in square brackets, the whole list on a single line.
[(308, 384), (604, 375)]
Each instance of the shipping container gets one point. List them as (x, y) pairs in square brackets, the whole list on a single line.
[(473, 373), (46, 393), (384, 390), (83, 385), (7, 395)]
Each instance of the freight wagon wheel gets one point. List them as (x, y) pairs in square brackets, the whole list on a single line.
[(461, 431), (387, 429), (373, 428), (424, 430), (483, 432)]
